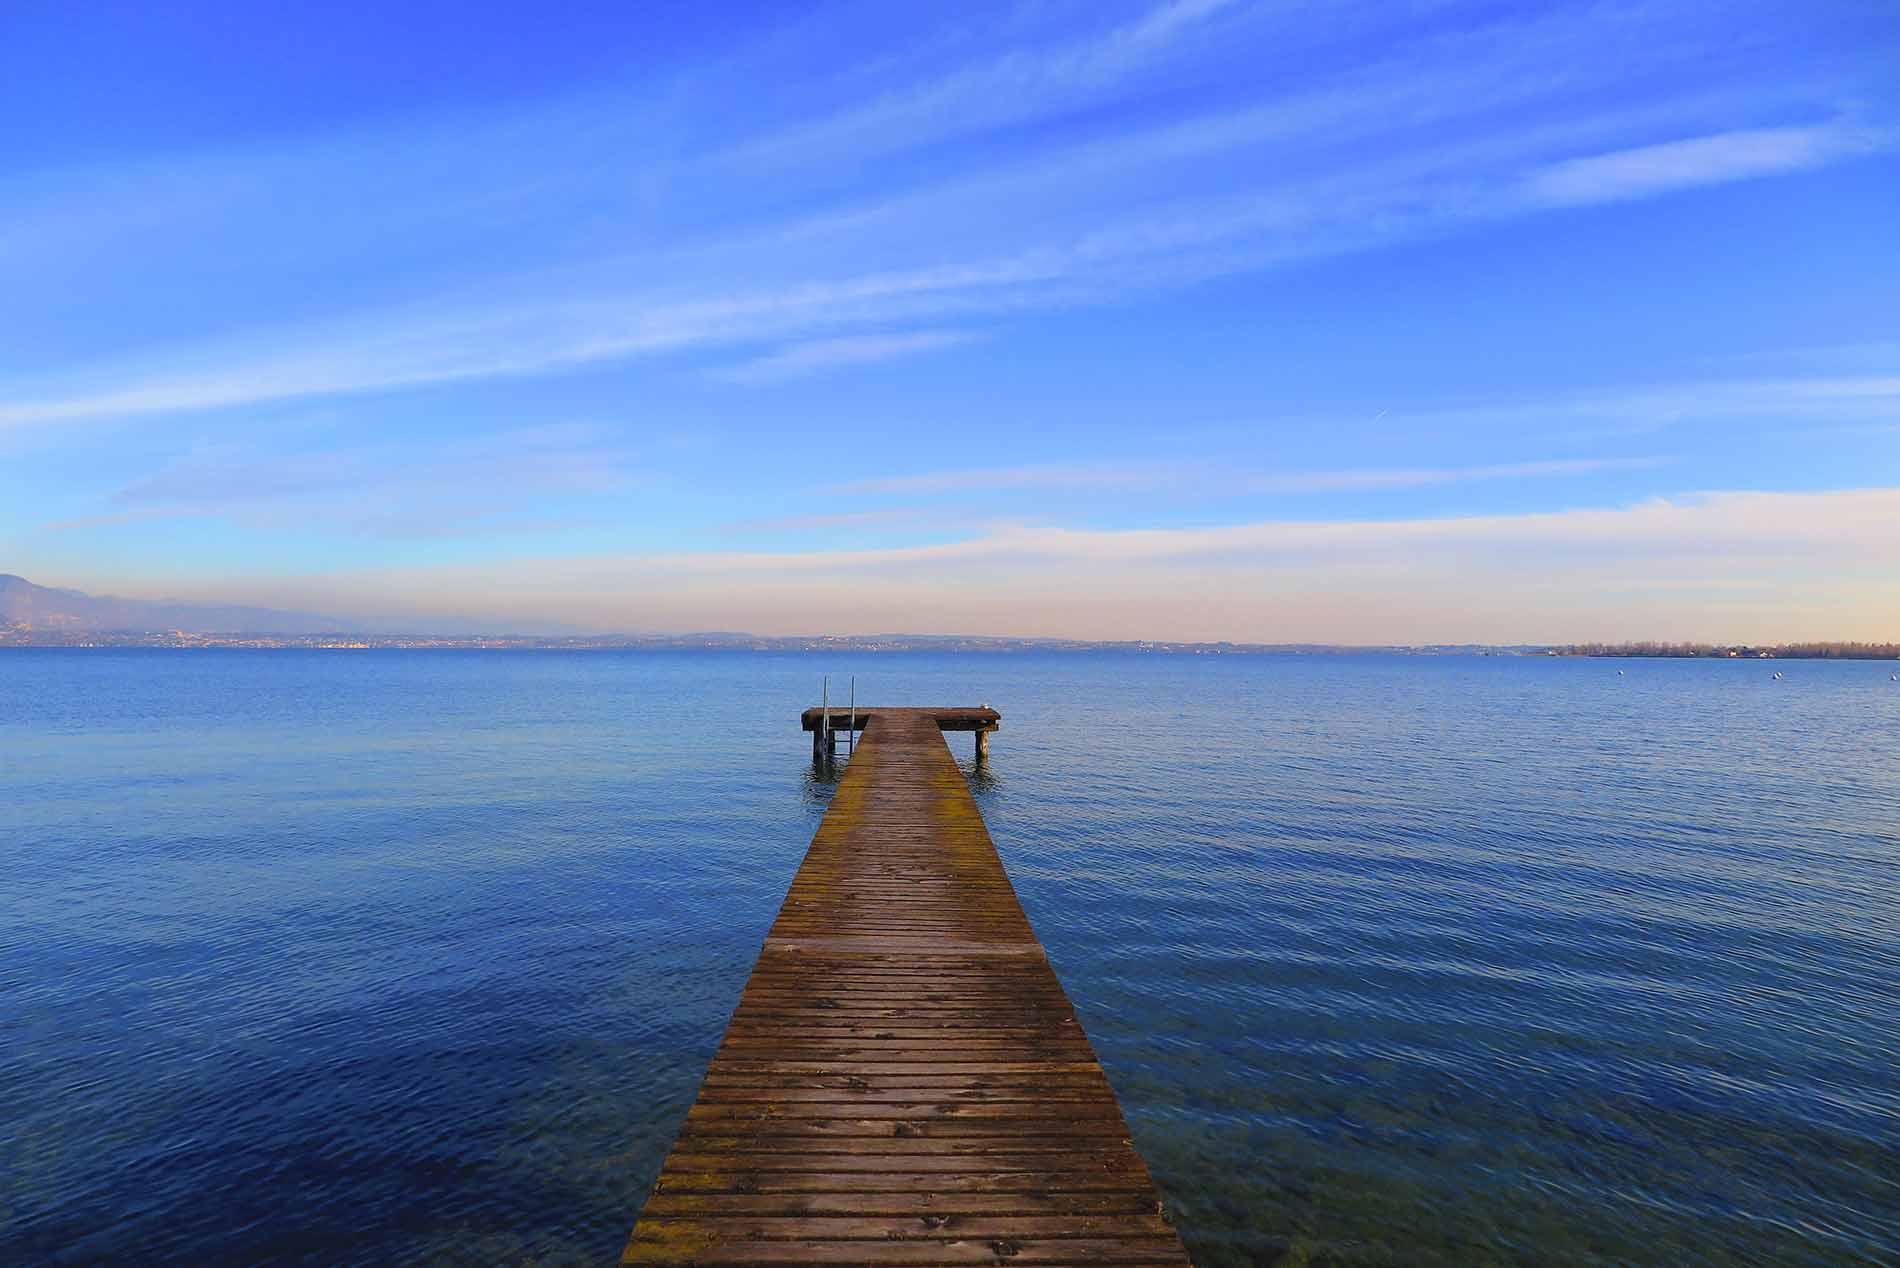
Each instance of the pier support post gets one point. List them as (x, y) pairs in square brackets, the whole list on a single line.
[(982, 746)]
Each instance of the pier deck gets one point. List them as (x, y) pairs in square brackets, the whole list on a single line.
[(904, 1080)]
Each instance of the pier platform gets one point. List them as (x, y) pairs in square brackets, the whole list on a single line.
[(904, 1080)]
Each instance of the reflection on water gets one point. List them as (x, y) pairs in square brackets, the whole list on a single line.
[(820, 781), (399, 957)]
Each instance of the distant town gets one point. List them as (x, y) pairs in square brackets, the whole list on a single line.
[(1780, 651)]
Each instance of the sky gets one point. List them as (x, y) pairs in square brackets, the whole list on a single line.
[(1370, 321)]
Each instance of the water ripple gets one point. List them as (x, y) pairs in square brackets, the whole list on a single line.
[(419, 958)]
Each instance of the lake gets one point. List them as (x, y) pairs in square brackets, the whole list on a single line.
[(406, 956)]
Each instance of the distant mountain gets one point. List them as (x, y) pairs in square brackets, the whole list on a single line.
[(43, 608)]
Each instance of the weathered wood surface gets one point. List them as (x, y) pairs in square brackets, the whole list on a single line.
[(904, 1081), (978, 719)]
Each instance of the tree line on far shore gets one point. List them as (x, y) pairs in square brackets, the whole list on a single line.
[(1780, 651)]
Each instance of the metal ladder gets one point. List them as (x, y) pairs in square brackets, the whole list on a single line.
[(824, 714)]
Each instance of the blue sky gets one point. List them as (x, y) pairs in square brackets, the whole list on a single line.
[(1361, 322)]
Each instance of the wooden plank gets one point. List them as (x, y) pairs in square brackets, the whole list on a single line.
[(717, 1249), (978, 719), (904, 1080), (912, 1205)]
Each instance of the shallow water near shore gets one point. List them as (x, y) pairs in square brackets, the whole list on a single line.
[(374, 957)]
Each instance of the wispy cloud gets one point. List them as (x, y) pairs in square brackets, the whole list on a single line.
[(1372, 479), (113, 519), (815, 355), (1742, 565), (402, 350), (1016, 85), (1774, 526), (1704, 160), (388, 489), (1208, 478), (906, 517), (1318, 170), (1790, 403), (1096, 477), (849, 187), (1440, 134), (1183, 245)]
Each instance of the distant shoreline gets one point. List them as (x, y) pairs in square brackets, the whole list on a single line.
[(17, 636), (721, 642), (1737, 651)]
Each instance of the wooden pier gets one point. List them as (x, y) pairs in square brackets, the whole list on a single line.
[(904, 1081)]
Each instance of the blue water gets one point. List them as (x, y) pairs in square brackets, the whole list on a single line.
[(373, 957)]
